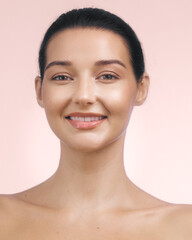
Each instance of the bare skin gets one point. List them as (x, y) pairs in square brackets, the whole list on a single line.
[(90, 195)]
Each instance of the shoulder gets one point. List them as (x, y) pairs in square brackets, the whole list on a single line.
[(176, 222), (6, 204), (11, 215), (6, 215)]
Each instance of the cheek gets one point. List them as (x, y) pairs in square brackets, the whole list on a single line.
[(120, 100), (55, 101), (55, 98)]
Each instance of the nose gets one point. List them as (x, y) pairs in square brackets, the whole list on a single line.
[(84, 93)]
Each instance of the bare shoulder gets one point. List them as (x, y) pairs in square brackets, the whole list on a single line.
[(7, 203), (12, 215), (176, 222), (8, 221)]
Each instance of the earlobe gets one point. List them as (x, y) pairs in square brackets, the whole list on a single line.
[(143, 87), (38, 89)]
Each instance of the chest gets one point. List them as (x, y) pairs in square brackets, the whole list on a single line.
[(85, 228)]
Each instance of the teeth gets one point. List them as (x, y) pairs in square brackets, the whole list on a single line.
[(86, 119)]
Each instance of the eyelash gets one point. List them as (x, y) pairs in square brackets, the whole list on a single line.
[(63, 77), (107, 74)]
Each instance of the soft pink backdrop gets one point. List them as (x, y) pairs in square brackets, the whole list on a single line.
[(158, 150)]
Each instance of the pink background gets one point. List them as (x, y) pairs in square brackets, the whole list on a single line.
[(158, 150)]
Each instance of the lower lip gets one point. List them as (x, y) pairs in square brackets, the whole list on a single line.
[(86, 125)]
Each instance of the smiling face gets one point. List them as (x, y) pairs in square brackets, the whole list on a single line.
[(89, 88)]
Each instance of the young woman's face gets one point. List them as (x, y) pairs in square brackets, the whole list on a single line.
[(89, 88)]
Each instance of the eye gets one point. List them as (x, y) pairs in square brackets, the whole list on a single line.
[(108, 77), (61, 78)]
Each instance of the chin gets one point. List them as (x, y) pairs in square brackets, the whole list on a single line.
[(90, 144), (85, 143), (87, 146)]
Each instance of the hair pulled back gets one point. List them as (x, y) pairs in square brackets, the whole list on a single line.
[(99, 19)]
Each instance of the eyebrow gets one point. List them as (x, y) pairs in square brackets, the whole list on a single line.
[(111, 61), (98, 63), (60, 63)]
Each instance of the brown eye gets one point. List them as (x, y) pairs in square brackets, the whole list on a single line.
[(61, 78), (108, 77)]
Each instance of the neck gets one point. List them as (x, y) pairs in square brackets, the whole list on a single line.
[(91, 179)]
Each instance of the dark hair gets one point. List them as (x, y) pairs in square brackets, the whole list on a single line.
[(100, 19)]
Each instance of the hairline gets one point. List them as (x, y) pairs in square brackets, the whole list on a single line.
[(86, 27)]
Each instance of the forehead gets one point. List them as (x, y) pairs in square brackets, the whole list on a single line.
[(87, 43)]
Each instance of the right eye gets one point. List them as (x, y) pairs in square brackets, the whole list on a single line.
[(61, 78)]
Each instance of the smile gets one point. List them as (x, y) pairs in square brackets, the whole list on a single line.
[(85, 120)]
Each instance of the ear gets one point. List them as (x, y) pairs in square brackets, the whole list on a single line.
[(38, 89), (143, 87)]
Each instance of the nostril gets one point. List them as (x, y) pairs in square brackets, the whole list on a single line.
[(84, 99), (85, 92)]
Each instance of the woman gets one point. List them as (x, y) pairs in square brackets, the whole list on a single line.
[(92, 74)]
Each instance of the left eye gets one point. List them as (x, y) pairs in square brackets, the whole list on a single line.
[(108, 76), (61, 77)]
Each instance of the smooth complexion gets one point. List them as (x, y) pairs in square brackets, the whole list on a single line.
[(89, 73), (88, 88), (86, 83)]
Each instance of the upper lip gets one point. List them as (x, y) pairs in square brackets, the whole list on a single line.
[(86, 114)]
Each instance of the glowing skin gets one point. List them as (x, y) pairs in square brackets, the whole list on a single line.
[(88, 93), (88, 87), (88, 72)]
